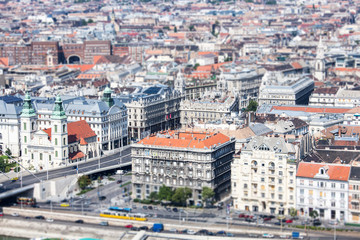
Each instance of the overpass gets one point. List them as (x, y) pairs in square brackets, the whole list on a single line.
[(105, 163)]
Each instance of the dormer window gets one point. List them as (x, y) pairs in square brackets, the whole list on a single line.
[(322, 171)]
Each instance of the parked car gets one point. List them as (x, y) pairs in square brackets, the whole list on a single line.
[(27, 217), (150, 207), (184, 231), (144, 228), (316, 222), (252, 235), (79, 221), (50, 220), (191, 232), (229, 234), (221, 233), (202, 232), (104, 223), (119, 181), (174, 230), (145, 207), (242, 215), (267, 219), (249, 220), (175, 209), (155, 208), (289, 221), (128, 226), (40, 217), (284, 236), (135, 229)]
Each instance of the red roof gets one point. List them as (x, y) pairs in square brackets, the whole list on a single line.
[(186, 139), (76, 131), (76, 155), (311, 109), (335, 171)]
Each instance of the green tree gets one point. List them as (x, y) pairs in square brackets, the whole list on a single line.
[(153, 196), (252, 106), (207, 194), (314, 214), (83, 182), (181, 196), (90, 21), (165, 193), (192, 28), (8, 152), (196, 66), (293, 212), (83, 22)]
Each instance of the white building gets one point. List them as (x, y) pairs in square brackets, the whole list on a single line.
[(352, 117), (323, 188), (263, 176)]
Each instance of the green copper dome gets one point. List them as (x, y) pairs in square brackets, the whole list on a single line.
[(107, 97), (28, 110), (58, 111)]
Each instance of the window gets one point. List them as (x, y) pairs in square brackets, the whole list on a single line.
[(56, 153), (280, 173), (49, 157), (272, 195), (333, 194), (301, 182), (56, 141), (333, 185), (24, 126), (280, 181), (311, 192), (25, 139), (311, 183), (342, 186), (32, 156), (342, 195), (333, 204), (280, 196), (55, 128), (64, 126), (41, 156), (301, 191), (64, 141), (263, 195), (245, 185), (262, 179)]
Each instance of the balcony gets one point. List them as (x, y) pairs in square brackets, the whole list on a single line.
[(254, 166), (271, 167)]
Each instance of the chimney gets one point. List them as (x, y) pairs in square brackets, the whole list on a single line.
[(339, 131)]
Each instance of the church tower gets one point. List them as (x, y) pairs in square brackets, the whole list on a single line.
[(320, 71), (179, 83), (28, 120), (59, 133), (113, 21), (107, 97)]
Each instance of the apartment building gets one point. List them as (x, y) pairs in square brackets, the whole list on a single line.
[(152, 109), (208, 108), (354, 195), (182, 159), (263, 176), (323, 188)]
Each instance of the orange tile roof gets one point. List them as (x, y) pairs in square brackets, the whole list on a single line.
[(186, 140), (4, 61), (76, 131), (296, 65), (76, 155), (311, 109), (81, 67), (354, 110), (210, 66), (204, 53), (335, 172)]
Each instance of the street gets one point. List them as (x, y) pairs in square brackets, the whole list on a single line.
[(105, 161)]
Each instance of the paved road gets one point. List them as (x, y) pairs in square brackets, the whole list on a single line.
[(105, 161)]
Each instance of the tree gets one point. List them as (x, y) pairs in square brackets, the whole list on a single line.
[(153, 196), (83, 22), (196, 66), (314, 214), (252, 106), (8, 152), (192, 28), (90, 21), (165, 193), (207, 194), (181, 196), (83, 182), (293, 212)]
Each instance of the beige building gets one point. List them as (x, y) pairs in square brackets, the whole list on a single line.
[(182, 159), (263, 176)]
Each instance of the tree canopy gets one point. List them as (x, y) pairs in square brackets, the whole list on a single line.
[(252, 107), (83, 182), (181, 195), (207, 194), (165, 193)]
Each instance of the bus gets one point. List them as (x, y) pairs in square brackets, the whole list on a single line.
[(26, 200), (118, 209)]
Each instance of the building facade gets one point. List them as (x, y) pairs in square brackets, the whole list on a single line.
[(153, 109), (323, 188), (263, 176), (62, 144), (354, 195), (182, 159)]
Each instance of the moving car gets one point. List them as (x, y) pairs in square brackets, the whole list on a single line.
[(135, 229), (50, 220), (289, 221), (64, 205), (15, 214), (40, 217), (191, 232), (104, 223), (223, 233), (144, 228), (79, 221), (128, 226), (267, 235)]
